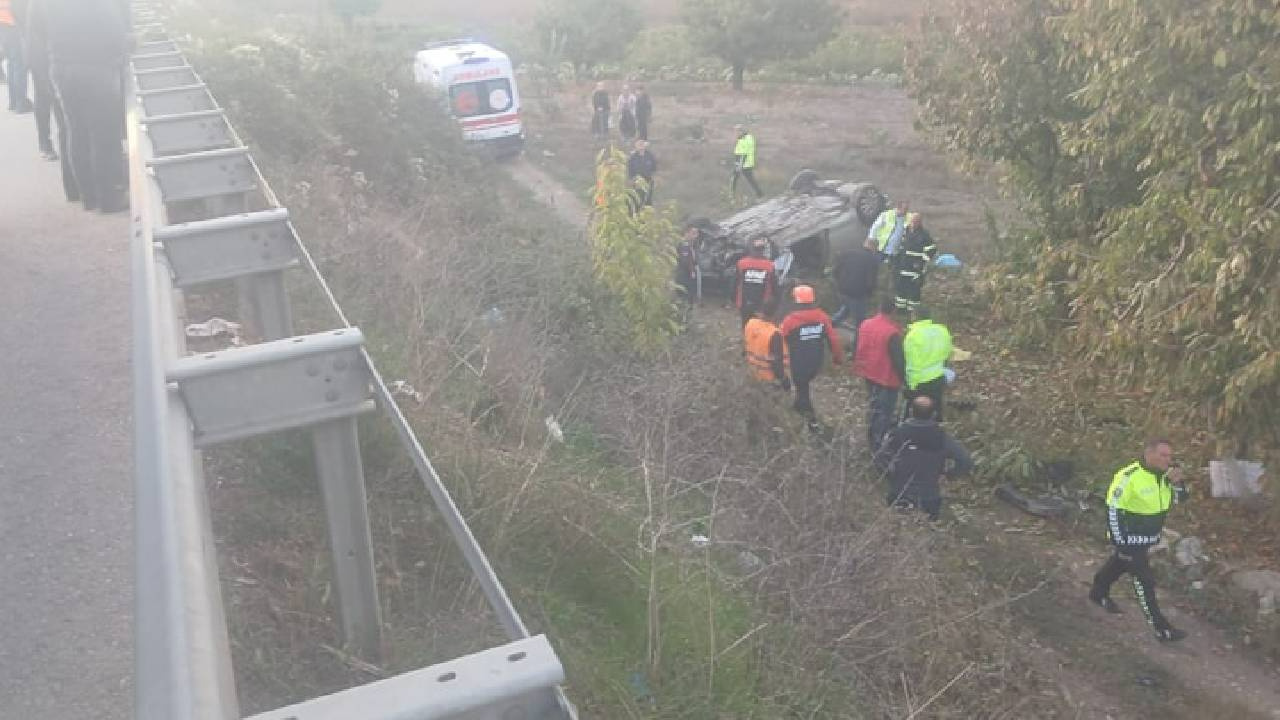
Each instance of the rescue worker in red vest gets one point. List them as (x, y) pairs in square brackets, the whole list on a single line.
[(756, 281), (1138, 499), (765, 350), (916, 455), (926, 347), (807, 331), (916, 253), (878, 359)]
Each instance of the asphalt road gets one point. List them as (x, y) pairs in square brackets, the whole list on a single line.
[(66, 525)]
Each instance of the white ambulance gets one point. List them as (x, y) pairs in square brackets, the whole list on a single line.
[(480, 86)]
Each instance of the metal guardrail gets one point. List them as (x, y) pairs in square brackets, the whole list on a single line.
[(202, 213)]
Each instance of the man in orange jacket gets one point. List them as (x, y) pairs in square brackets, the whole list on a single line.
[(807, 331), (756, 283)]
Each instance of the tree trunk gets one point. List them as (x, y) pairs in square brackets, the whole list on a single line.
[(738, 69)]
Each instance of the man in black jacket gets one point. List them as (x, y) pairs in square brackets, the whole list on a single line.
[(644, 112), (855, 272), (88, 45), (916, 253), (915, 456), (642, 166)]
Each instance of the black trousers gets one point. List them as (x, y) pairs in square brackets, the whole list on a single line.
[(881, 401), (93, 104), (933, 389), (748, 309), (749, 174), (642, 126), (905, 497), (803, 403), (1133, 561), (906, 290)]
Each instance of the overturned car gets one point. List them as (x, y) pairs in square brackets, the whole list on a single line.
[(800, 228)]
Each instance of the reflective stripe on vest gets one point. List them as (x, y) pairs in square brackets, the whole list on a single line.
[(927, 347), (746, 147)]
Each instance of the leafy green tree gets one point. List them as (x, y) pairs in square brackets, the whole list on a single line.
[(747, 33), (634, 258), (586, 32), (1145, 138)]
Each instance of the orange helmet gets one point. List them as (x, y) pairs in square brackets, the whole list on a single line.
[(803, 294)]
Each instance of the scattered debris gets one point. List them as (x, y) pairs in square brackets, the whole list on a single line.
[(493, 316), (700, 540), (1264, 583), (548, 153), (1043, 506), (1147, 681), (553, 429), (1189, 551), (215, 327), (948, 261), (749, 562), (402, 387), (958, 355), (1235, 478)]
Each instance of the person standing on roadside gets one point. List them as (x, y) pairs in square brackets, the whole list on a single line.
[(756, 281), (16, 67), (88, 46), (878, 359), (916, 455), (917, 252), (687, 264), (644, 112), (1138, 500), (642, 166), (887, 230), (856, 270), (744, 161), (807, 332), (600, 105), (47, 108), (926, 348)]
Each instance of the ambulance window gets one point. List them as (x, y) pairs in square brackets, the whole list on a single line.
[(484, 97)]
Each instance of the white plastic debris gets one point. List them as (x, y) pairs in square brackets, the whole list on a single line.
[(553, 429), (213, 327), (1235, 478), (403, 388), (700, 540)]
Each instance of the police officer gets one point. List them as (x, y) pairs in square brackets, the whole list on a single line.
[(1138, 499), (886, 232), (756, 282), (910, 265), (926, 347), (807, 331), (744, 161), (915, 455)]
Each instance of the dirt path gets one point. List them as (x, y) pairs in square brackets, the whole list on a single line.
[(566, 204), (66, 508), (1107, 667)]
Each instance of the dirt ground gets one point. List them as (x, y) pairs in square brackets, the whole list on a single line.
[(1105, 667), (853, 133)]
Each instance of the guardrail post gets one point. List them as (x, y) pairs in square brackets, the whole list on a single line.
[(266, 294), (341, 474)]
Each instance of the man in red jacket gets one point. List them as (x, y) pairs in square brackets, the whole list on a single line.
[(807, 331), (878, 358), (757, 281)]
